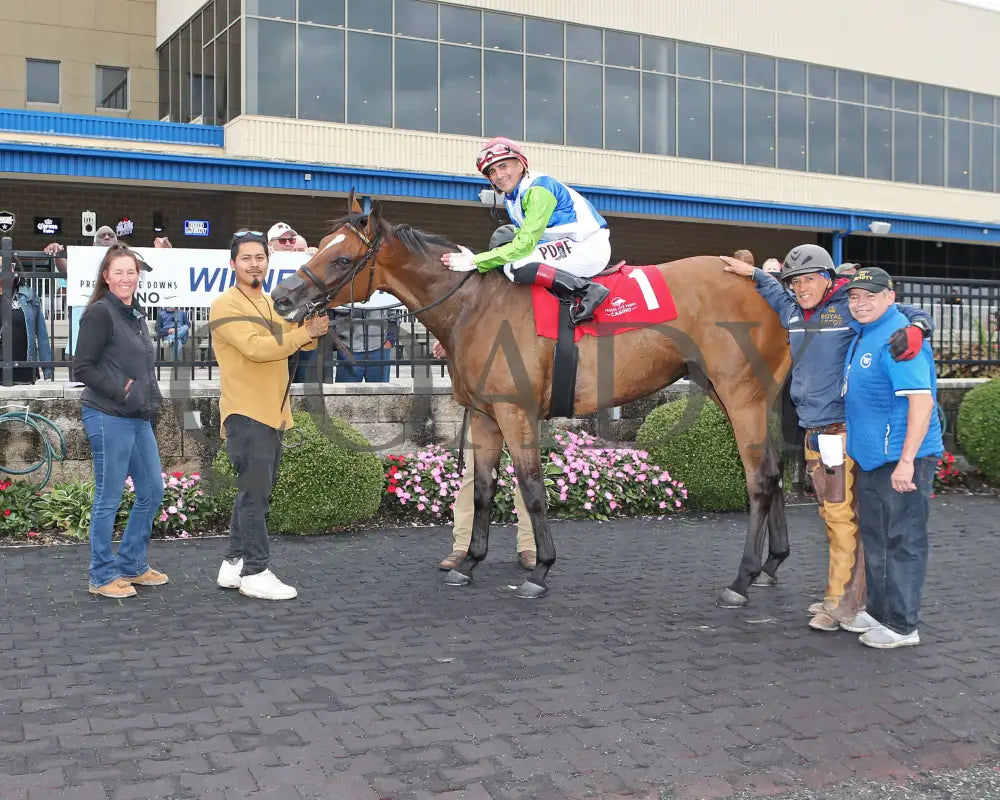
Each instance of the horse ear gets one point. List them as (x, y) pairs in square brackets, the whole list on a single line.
[(353, 206), (375, 217)]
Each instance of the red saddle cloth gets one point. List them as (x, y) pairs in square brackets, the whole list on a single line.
[(639, 296)]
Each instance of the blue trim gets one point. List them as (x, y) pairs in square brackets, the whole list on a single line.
[(167, 168), (136, 130)]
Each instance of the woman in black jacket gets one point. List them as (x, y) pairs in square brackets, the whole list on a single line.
[(115, 360)]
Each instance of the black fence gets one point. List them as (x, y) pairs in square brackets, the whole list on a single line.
[(966, 340), (42, 286)]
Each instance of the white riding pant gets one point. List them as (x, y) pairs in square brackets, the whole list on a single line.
[(582, 259)]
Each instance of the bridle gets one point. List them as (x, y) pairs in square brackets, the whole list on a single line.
[(368, 259)]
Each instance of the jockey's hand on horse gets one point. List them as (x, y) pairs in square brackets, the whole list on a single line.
[(460, 261), (737, 266), (318, 325), (438, 350)]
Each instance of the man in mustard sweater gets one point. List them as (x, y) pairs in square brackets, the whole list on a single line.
[(252, 344)]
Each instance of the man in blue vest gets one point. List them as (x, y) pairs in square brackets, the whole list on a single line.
[(894, 436)]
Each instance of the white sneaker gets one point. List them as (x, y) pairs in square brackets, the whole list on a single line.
[(885, 639), (229, 574), (862, 623), (266, 586)]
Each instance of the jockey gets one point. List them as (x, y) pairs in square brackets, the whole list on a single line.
[(560, 239)]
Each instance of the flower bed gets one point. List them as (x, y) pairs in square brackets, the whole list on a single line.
[(583, 479)]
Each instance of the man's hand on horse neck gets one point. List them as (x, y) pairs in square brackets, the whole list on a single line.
[(460, 261)]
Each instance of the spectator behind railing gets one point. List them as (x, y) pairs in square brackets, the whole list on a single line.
[(29, 336), (370, 330)]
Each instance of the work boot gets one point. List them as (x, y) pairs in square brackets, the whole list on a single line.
[(583, 295)]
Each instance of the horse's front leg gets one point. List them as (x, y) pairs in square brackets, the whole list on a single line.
[(521, 435), (486, 443)]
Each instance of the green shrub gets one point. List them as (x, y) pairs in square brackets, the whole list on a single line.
[(67, 508), (326, 479), (979, 428), (698, 447), (18, 508)]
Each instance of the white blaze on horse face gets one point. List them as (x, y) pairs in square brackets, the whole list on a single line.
[(335, 240)]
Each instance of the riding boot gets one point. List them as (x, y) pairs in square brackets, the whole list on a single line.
[(583, 295)]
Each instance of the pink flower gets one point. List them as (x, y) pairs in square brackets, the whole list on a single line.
[(663, 504), (172, 510), (587, 506), (163, 516)]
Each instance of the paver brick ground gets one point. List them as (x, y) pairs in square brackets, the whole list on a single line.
[(380, 682)]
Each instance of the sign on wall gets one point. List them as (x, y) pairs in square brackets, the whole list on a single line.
[(7, 220), (48, 226), (196, 227)]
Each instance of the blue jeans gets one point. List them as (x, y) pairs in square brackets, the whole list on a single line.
[(373, 373), (121, 447), (177, 339), (894, 533)]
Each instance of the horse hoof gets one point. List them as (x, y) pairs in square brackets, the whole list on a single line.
[(530, 591), (729, 599), (765, 581), (456, 578)]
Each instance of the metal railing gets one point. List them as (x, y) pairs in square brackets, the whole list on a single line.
[(408, 357), (966, 339), (966, 314)]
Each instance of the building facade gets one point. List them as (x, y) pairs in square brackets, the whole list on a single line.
[(873, 129)]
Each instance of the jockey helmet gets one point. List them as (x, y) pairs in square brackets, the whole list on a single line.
[(807, 258), (503, 235), (497, 149)]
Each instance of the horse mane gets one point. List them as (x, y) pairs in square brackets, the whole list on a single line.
[(413, 239)]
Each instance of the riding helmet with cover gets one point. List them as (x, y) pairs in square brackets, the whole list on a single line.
[(497, 149), (503, 235), (807, 258)]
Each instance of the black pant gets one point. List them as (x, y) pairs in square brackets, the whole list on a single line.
[(255, 450)]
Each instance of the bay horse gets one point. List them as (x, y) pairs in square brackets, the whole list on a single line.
[(725, 338)]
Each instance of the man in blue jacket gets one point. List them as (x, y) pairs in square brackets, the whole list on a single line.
[(172, 327), (894, 435), (819, 328)]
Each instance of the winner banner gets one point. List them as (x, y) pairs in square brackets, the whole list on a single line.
[(182, 278)]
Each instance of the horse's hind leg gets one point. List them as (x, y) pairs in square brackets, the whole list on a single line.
[(777, 527), (749, 421), (521, 435), (486, 441)]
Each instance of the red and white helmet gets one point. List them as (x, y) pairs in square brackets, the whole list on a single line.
[(497, 149)]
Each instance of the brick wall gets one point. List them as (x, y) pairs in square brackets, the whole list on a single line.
[(636, 240)]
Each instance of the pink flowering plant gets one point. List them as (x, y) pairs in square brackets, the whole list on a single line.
[(187, 507), (582, 479)]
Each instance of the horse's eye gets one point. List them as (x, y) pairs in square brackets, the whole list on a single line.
[(342, 261)]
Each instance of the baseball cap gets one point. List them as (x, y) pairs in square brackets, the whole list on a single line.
[(279, 229), (871, 279)]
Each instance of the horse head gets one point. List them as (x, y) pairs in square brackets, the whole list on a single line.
[(343, 269)]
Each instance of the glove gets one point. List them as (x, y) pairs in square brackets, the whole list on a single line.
[(905, 343), (461, 261)]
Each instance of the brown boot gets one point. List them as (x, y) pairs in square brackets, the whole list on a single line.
[(117, 589), (150, 577), (527, 560), (454, 560)]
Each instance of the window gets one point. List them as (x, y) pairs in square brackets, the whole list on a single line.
[(791, 132), (42, 81), (503, 103), (370, 15), (369, 78), (822, 136), (791, 77), (271, 68), (112, 87), (322, 12), (282, 9), (544, 99), (727, 123), (417, 18), (982, 158), (587, 44), (693, 60), (850, 140), (727, 66), (543, 38), (461, 90), (760, 72), (760, 127), (958, 154), (659, 97), (416, 85), (461, 25), (621, 120), (621, 49), (584, 109), (658, 55), (694, 133), (905, 147), (502, 31), (321, 54), (932, 150), (879, 126)]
